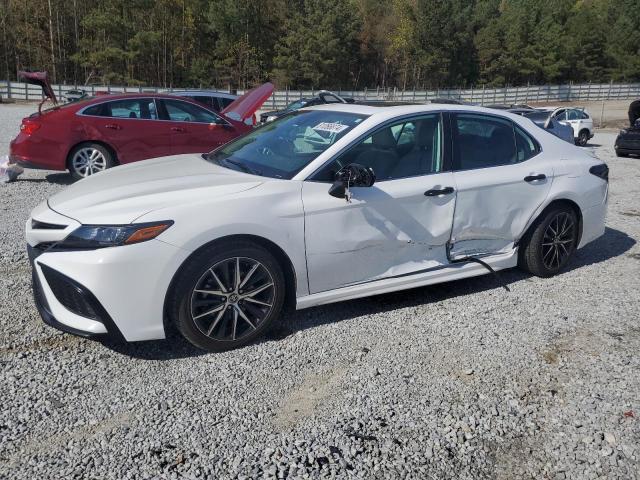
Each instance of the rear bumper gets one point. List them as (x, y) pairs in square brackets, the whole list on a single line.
[(30, 151)]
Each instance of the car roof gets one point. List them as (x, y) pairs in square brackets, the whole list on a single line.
[(391, 111), (210, 93)]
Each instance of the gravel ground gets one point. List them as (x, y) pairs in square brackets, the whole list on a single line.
[(462, 380)]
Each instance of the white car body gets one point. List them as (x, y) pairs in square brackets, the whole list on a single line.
[(577, 118), (389, 237)]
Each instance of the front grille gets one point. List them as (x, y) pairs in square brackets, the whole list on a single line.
[(70, 294)]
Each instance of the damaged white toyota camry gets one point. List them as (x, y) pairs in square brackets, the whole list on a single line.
[(326, 204)]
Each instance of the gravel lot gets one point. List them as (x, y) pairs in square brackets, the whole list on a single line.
[(462, 380)]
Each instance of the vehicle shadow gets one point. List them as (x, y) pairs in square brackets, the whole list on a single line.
[(61, 178), (612, 244)]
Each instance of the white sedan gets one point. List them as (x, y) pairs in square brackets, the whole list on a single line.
[(324, 205)]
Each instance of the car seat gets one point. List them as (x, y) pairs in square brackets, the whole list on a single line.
[(381, 156)]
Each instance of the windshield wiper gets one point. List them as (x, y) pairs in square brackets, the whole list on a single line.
[(242, 166)]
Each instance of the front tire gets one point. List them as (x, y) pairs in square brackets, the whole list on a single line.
[(88, 159), (583, 138), (227, 296), (550, 243)]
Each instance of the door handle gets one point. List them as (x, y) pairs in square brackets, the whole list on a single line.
[(435, 192), (178, 129), (533, 178), (113, 126)]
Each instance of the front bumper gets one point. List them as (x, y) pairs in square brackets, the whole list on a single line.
[(118, 291), (102, 325)]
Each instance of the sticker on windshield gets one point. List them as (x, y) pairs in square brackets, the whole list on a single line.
[(330, 127)]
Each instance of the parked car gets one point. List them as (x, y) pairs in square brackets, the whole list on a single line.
[(87, 137), (218, 101), (323, 97), (628, 140), (578, 119), (546, 121), (325, 204), (513, 106), (75, 95)]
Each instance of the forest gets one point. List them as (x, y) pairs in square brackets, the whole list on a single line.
[(347, 44)]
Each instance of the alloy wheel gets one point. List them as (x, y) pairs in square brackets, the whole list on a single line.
[(558, 241), (232, 298), (88, 161)]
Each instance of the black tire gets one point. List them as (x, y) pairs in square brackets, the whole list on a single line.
[(622, 155), (184, 299), (583, 138), (539, 249), (77, 158)]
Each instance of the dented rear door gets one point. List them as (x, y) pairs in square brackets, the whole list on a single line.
[(501, 177)]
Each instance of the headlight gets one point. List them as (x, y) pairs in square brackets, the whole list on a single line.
[(623, 132), (99, 236), (271, 118)]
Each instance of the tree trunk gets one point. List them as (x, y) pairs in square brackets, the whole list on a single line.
[(53, 52)]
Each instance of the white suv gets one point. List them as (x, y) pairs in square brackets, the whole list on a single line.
[(580, 120)]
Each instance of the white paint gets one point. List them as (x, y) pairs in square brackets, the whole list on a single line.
[(390, 236)]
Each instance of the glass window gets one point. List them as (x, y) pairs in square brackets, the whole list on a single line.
[(561, 115), (225, 102), (134, 108), (483, 141), (526, 146), (573, 115), (178, 111), (282, 148), (209, 101), (94, 110), (404, 149)]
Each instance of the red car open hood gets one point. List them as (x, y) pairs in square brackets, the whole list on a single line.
[(245, 106)]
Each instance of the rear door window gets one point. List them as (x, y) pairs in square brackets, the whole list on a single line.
[(132, 108), (483, 141)]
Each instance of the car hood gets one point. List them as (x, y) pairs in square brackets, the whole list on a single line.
[(123, 194), (245, 106)]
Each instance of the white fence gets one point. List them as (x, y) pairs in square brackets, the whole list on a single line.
[(481, 96)]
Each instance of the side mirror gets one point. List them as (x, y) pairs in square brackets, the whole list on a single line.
[(353, 175)]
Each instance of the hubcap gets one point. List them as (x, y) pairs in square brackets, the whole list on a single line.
[(232, 298), (88, 161), (558, 241)]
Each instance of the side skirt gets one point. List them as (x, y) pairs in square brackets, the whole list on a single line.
[(448, 273)]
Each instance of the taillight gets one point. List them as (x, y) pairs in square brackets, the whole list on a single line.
[(29, 127), (601, 171)]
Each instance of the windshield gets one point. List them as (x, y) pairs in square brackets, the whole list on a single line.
[(539, 118), (282, 148), (296, 105)]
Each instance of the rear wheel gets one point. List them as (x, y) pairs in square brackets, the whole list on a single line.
[(622, 155), (551, 243), (227, 296), (88, 159), (583, 138)]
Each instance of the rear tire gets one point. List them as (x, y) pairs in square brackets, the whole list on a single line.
[(88, 159), (550, 243), (213, 303), (622, 155)]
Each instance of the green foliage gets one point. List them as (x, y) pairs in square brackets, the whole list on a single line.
[(322, 43)]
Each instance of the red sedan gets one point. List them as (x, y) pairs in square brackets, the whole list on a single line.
[(90, 136)]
